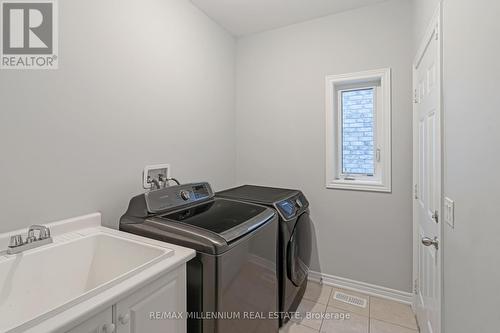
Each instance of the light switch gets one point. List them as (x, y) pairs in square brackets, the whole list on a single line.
[(449, 212)]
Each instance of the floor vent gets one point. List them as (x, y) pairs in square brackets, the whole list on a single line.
[(349, 299)]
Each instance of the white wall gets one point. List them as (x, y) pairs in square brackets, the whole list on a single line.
[(139, 82), (471, 71), (364, 236)]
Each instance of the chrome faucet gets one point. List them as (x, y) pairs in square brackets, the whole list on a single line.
[(17, 244)]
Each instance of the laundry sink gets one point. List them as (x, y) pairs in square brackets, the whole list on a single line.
[(47, 280)]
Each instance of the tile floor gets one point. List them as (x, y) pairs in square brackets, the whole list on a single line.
[(379, 316)]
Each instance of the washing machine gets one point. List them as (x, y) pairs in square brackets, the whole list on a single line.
[(294, 241), (234, 272)]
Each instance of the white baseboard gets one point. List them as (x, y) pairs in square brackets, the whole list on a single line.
[(362, 287)]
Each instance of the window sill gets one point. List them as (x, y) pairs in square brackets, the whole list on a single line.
[(359, 185)]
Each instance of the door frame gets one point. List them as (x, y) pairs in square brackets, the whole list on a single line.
[(434, 28)]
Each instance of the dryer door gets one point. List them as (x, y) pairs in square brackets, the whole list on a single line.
[(299, 250)]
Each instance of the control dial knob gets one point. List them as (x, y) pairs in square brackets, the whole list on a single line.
[(185, 195), (299, 203)]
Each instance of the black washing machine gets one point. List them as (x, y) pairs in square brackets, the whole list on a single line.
[(295, 238), (235, 268)]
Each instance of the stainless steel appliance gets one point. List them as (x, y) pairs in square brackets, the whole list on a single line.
[(233, 275), (295, 238)]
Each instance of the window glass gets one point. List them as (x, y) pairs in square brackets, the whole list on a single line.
[(358, 131)]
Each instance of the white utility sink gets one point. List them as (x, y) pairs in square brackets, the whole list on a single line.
[(39, 283)]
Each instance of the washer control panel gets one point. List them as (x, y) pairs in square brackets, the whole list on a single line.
[(176, 196)]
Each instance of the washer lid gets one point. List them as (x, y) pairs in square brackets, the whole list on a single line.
[(230, 219)]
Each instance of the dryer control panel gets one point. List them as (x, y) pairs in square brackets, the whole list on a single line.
[(293, 206)]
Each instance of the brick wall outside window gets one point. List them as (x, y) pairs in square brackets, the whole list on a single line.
[(357, 131)]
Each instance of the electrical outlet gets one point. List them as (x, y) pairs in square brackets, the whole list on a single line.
[(153, 171), (449, 212)]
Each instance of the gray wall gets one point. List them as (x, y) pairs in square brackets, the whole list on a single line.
[(364, 236), (140, 82), (471, 102)]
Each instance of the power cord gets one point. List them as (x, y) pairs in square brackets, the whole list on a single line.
[(173, 179), (165, 180)]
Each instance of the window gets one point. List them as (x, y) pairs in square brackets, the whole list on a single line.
[(358, 129)]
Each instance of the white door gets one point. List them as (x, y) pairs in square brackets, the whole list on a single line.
[(157, 308), (100, 323), (427, 179)]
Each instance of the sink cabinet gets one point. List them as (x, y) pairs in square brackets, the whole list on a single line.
[(100, 323), (154, 308)]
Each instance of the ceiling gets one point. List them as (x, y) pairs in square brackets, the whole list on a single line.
[(242, 17)]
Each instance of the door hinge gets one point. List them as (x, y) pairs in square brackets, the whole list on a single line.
[(415, 191), (435, 216), (415, 286), (415, 96), (436, 32)]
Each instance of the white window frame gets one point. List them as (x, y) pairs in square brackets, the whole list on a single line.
[(379, 79)]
